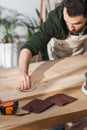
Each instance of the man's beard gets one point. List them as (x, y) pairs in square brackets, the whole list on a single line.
[(80, 32)]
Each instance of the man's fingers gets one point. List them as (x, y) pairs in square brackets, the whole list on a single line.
[(28, 81), (24, 81), (21, 85)]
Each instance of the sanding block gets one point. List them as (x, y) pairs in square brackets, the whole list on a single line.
[(84, 86)]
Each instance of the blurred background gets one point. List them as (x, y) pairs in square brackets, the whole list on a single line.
[(19, 20)]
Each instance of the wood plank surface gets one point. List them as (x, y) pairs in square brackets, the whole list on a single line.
[(48, 77), (51, 117)]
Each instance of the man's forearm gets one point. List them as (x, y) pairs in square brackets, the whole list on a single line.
[(24, 60)]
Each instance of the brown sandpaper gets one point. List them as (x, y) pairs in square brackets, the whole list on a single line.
[(39, 105), (61, 99)]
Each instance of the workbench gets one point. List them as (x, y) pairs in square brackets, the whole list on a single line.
[(50, 77)]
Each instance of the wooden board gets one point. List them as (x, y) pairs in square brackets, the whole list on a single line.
[(49, 118), (49, 77)]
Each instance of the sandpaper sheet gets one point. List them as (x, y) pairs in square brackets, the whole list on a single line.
[(61, 99), (38, 105)]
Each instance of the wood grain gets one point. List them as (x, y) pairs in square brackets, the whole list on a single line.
[(51, 117), (50, 77)]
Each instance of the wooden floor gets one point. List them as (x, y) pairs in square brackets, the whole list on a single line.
[(81, 126)]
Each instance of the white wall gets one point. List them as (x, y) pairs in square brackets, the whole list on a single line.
[(26, 7)]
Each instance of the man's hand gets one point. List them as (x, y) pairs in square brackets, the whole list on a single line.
[(24, 81)]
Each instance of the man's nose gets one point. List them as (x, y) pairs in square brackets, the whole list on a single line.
[(71, 27)]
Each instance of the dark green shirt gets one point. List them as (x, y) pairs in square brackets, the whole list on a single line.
[(54, 26)]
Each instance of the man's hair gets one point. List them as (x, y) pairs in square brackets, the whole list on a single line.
[(75, 7)]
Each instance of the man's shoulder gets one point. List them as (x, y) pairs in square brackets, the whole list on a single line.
[(56, 13)]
